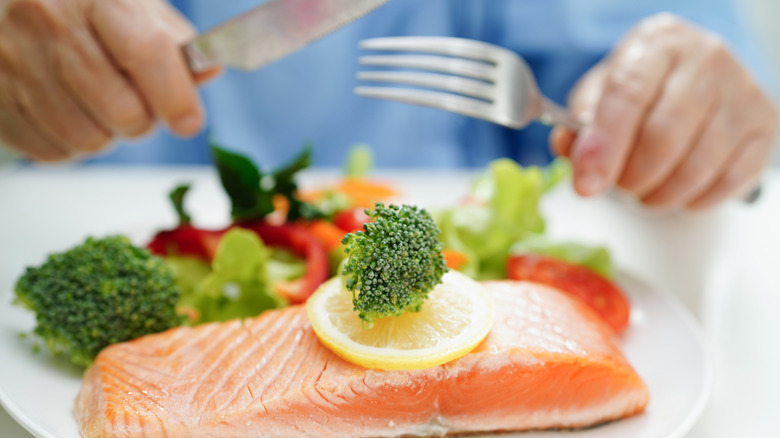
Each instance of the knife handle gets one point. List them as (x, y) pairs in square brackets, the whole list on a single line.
[(200, 64), (197, 58)]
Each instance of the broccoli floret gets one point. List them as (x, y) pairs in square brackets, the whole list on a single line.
[(100, 292), (393, 263)]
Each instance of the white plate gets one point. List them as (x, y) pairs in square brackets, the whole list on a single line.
[(663, 343)]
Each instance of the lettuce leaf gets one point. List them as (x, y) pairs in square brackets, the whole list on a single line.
[(188, 272), (238, 285), (359, 162), (595, 258), (284, 266), (503, 208)]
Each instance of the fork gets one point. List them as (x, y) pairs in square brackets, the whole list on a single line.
[(477, 79)]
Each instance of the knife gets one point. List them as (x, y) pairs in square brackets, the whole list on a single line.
[(271, 31)]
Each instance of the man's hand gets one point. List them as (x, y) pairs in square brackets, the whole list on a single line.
[(74, 74), (672, 118)]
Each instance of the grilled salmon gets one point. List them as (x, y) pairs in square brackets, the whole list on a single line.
[(548, 362)]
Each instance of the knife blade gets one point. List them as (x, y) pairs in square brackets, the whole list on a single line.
[(271, 31)]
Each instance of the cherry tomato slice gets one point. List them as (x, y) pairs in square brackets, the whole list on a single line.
[(597, 292), (351, 220)]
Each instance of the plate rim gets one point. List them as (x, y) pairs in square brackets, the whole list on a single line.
[(687, 318)]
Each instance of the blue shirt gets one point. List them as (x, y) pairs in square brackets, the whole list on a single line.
[(308, 96)]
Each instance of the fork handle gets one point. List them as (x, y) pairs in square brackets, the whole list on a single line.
[(554, 114)]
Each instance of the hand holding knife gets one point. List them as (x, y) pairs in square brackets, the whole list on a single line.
[(76, 74)]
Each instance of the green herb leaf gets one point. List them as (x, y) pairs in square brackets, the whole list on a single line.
[(241, 180), (284, 184), (177, 199), (252, 191)]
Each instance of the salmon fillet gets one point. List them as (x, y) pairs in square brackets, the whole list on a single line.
[(548, 362)]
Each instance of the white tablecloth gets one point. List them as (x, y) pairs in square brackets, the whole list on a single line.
[(722, 264)]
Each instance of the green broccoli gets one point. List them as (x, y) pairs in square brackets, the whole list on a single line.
[(100, 292), (394, 263)]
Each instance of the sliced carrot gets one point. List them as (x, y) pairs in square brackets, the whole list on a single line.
[(454, 259), (290, 290), (328, 234), (365, 193), (191, 313), (281, 208), (310, 196)]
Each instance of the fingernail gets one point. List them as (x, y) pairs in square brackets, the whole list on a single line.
[(188, 124), (591, 183), (589, 145), (587, 157)]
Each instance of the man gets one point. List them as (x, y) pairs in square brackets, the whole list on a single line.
[(671, 115)]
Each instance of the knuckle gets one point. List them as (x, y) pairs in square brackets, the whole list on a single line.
[(694, 174), (50, 155), (10, 61), (716, 52), (122, 110), (94, 142), (138, 51), (659, 138), (766, 108), (42, 18), (629, 85), (732, 179), (663, 23), (129, 121), (181, 110), (751, 107), (773, 117), (140, 130), (758, 154)]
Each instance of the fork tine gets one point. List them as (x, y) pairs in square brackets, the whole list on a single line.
[(448, 102), (442, 45), (460, 67), (453, 84)]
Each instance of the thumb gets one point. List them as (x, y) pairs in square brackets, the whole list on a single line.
[(583, 100), (587, 92), (181, 31)]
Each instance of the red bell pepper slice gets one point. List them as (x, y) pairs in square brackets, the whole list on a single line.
[(301, 242), (186, 240), (198, 242)]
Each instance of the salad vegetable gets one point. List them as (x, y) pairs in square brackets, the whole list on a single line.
[(238, 285), (352, 219), (255, 196), (502, 209), (596, 291), (301, 242), (394, 263), (359, 163), (498, 232), (595, 258), (252, 191)]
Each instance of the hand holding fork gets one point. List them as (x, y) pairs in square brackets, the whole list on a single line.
[(671, 116)]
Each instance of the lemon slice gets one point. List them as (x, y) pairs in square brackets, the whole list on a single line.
[(455, 318)]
